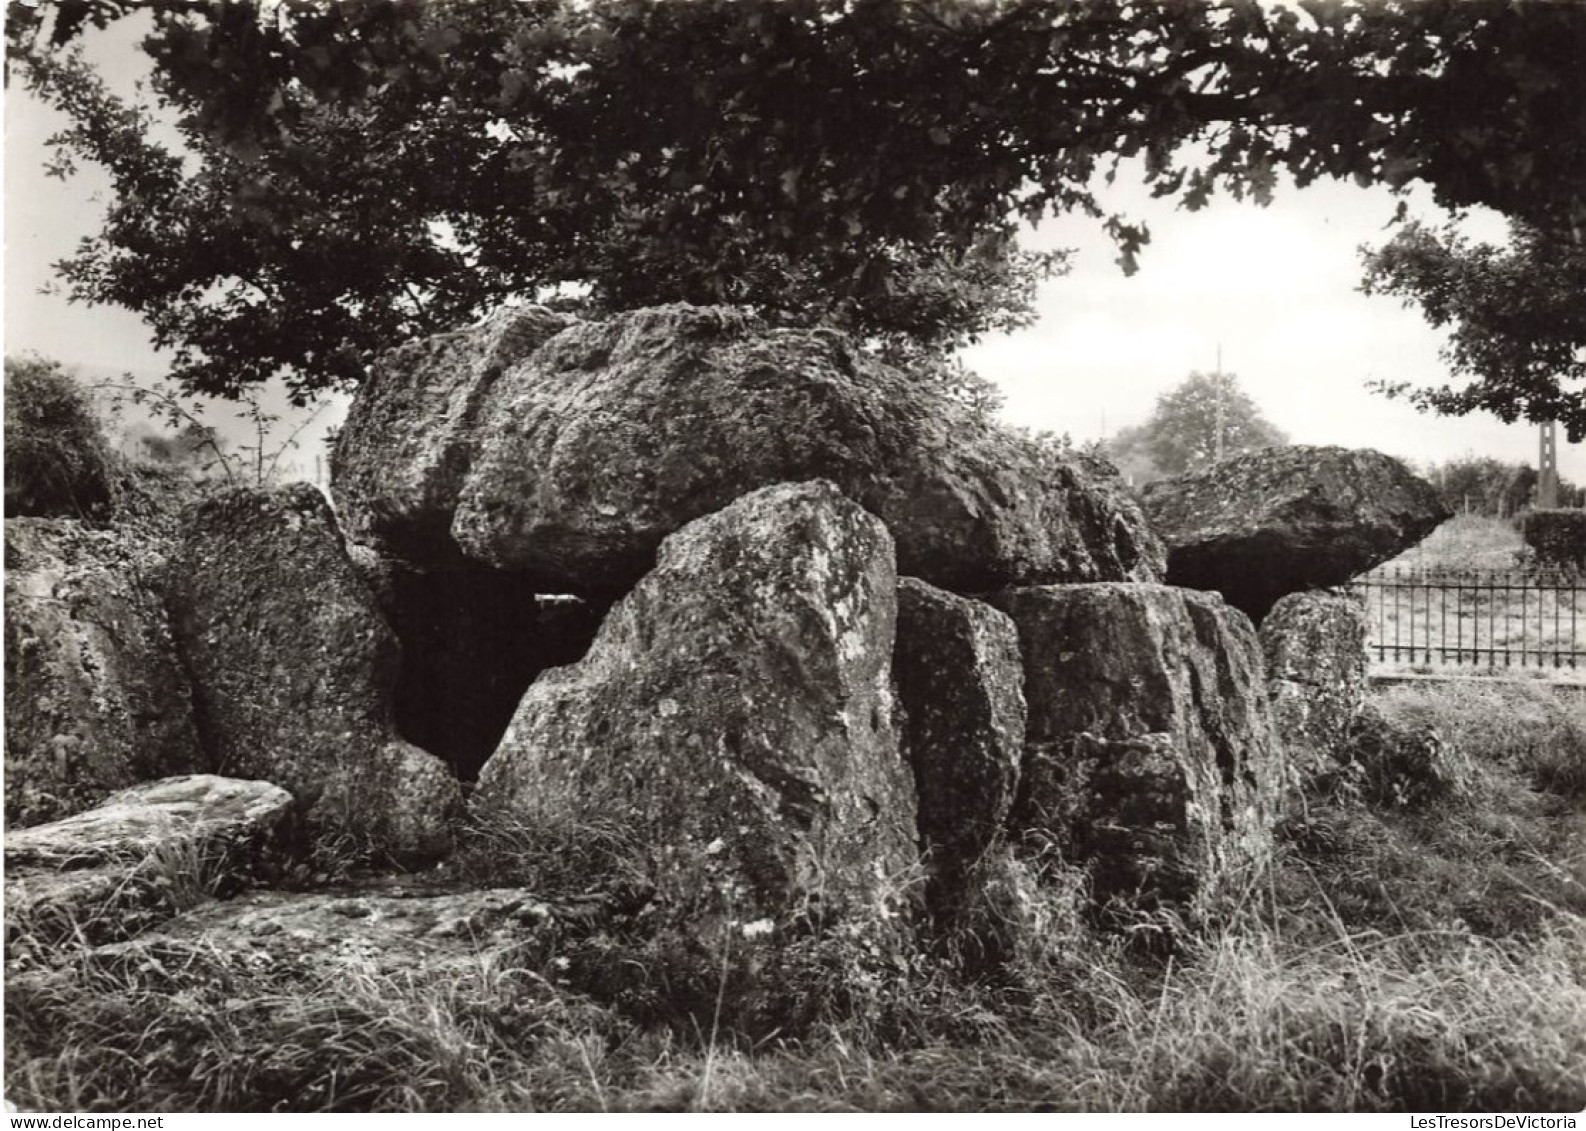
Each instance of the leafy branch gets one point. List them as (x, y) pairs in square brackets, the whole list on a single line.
[(257, 463)]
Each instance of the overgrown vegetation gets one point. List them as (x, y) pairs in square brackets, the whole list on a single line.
[(1398, 956), (1558, 537), (57, 462)]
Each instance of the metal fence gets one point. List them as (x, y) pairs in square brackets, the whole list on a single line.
[(1490, 618)]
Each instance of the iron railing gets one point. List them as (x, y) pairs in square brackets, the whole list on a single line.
[(1491, 618)]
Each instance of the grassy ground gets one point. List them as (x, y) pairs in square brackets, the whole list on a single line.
[(1467, 541), (1459, 600), (1395, 957)]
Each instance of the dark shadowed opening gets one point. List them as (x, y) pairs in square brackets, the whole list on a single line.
[(473, 639)]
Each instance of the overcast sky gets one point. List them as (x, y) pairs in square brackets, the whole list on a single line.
[(1275, 288)]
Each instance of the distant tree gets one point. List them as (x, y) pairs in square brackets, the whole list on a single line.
[(1516, 318), (1205, 414), (1482, 485), (1129, 449)]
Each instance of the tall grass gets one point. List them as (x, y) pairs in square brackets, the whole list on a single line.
[(1533, 730), (1393, 959), (1244, 1020)]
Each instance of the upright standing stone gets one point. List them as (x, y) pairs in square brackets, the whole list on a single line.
[(962, 688), (1315, 647), (292, 669), (95, 700), (1149, 749), (734, 718)]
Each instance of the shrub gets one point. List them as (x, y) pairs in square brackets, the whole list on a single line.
[(57, 462), (1400, 764), (1557, 536)]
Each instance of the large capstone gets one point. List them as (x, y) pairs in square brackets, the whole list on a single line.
[(1280, 520), (111, 871), (95, 700), (734, 719), (581, 456), (292, 670), (412, 433), (1149, 749), (1315, 648), (962, 688)]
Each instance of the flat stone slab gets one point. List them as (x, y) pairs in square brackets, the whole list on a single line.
[(568, 456), (196, 808), (387, 929), (113, 871), (1280, 520)]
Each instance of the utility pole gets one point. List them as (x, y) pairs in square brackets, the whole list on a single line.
[(1217, 391), (1547, 467)]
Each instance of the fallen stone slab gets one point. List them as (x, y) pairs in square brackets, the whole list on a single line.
[(1268, 523), (323, 1001), (112, 871), (391, 929)]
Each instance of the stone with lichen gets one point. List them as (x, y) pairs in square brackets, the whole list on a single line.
[(572, 463), (95, 698), (1267, 523), (734, 716), (960, 682), (292, 670), (1149, 753), (135, 859), (1315, 648)]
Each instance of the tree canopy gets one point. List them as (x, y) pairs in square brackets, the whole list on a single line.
[(1204, 416), (1516, 317), (360, 172)]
